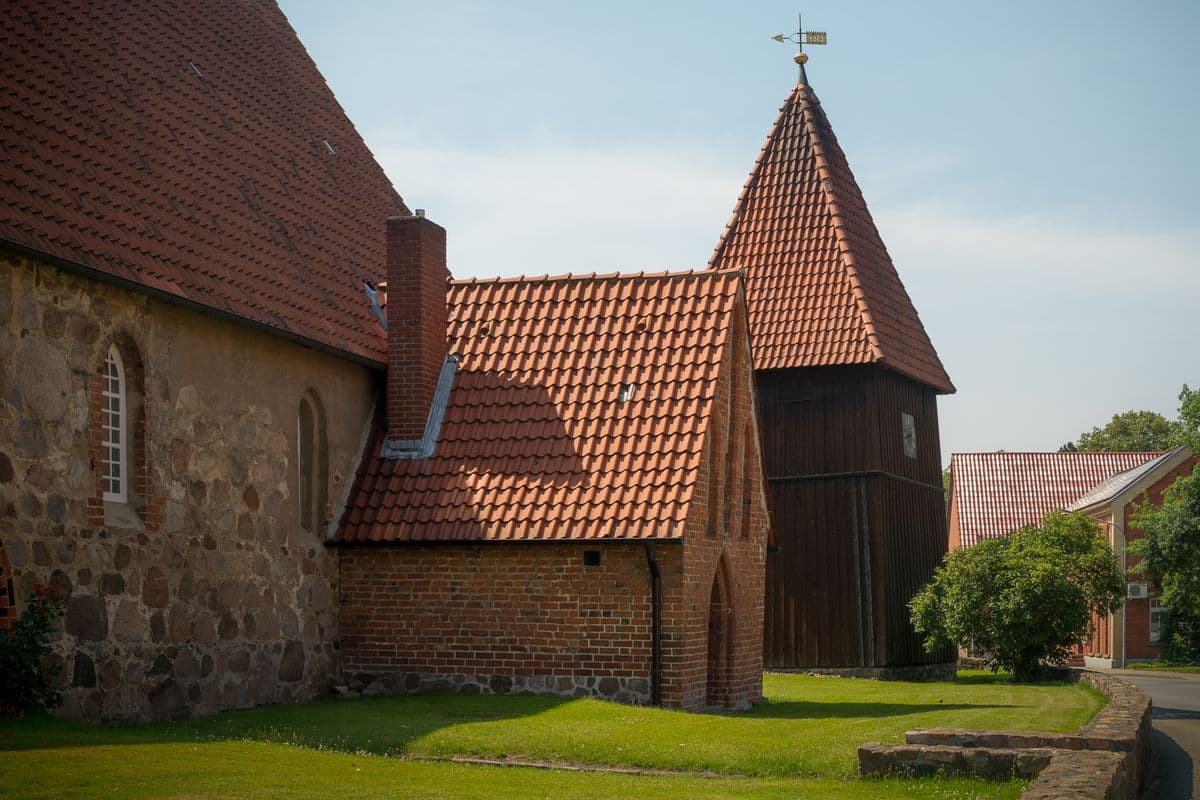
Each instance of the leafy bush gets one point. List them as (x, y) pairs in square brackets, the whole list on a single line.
[(1024, 600), (25, 683)]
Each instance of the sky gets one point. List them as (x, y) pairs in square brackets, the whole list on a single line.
[(1033, 167)]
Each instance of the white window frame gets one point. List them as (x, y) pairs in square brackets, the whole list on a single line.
[(119, 416), (1157, 609)]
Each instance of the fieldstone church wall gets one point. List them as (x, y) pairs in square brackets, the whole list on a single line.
[(204, 592)]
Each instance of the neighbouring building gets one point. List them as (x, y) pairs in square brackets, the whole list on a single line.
[(188, 359), (847, 384), (592, 518), (994, 494)]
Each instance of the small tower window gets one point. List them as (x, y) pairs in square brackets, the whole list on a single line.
[(908, 428), (114, 424)]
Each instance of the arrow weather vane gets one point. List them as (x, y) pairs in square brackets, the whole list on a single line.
[(800, 38)]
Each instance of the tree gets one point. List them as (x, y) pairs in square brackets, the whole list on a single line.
[(1133, 431), (1024, 600), (1170, 551)]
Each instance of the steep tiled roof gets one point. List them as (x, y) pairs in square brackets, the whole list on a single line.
[(1108, 489), (192, 148), (996, 493), (820, 285), (536, 442)]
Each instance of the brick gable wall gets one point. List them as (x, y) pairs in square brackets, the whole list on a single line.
[(718, 553), (509, 616)]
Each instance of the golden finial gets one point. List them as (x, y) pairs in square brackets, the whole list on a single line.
[(802, 37)]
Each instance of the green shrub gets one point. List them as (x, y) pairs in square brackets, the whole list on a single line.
[(26, 682), (1024, 600)]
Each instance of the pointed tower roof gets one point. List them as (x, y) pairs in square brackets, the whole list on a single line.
[(820, 285)]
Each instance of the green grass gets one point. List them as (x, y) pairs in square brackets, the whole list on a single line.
[(258, 771), (1158, 665), (801, 743)]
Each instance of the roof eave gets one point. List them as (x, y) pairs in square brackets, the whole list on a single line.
[(103, 276)]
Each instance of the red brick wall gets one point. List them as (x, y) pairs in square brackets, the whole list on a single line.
[(416, 315), (1137, 612), (955, 531), (513, 610), (716, 552)]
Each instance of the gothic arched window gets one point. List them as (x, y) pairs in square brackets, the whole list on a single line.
[(114, 411)]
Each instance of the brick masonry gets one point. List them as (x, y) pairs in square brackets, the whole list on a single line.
[(416, 315), (519, 616), (203, 593)]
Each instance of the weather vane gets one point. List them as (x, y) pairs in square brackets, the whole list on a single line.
[(802, 37)]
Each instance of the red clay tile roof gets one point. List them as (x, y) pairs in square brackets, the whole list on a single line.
[(993, 494), (820, 285), (183, 147), (535, 443)]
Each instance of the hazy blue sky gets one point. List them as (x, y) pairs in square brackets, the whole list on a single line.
[(1033, 166)]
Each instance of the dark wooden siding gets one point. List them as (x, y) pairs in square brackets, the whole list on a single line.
[(860, 525)]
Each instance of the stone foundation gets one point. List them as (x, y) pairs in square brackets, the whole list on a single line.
[(911, 672), (631, 691)]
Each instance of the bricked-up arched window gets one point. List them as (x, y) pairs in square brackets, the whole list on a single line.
[(312, 463), (114, 443), (747, 476)]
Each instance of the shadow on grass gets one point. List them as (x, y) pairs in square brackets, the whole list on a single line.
[(1004, 679), (798, 709), (381, 725)]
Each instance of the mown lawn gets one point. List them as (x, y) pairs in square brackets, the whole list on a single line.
[(801, 743), (258, 771), (1159, 666)]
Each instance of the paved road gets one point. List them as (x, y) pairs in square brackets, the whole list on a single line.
[(1176, 771)]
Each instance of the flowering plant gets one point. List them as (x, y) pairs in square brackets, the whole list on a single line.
[(26, 679)]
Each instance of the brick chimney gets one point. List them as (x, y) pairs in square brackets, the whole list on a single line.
[(416, 316)]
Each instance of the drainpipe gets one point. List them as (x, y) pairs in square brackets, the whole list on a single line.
[(655, 625)]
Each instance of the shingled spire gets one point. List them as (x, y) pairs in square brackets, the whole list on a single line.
[(820, 285)]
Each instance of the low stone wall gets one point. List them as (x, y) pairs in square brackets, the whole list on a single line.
[(1085, 775), (923, 760), (1107, 758)]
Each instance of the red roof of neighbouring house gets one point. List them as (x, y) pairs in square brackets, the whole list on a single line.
[(993, 494), (1108, 489), (195, 149), (536, 443), (820, 285)]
